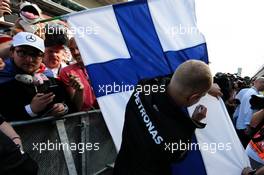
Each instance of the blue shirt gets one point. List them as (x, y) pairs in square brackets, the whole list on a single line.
[(239, 96), (245, 112)]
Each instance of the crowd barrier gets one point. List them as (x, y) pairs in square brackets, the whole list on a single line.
[(76, 144)]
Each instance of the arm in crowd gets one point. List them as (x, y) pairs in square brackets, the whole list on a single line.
[(13, 159), (8, 130), (257, 118), (5, 41), (5, 49), (215, 91), (77, 93), (78, 99), (5, 7), (2, 64), (74, 88)]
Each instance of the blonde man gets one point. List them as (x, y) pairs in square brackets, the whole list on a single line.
[(154, 119)]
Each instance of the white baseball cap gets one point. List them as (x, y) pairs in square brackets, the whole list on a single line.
[(29, 39)]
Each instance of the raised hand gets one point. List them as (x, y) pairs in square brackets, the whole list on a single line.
[(199, 113), (75, 82), (41, 101), (5, 7)]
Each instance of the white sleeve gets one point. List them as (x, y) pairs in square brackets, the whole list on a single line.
[(30, 112)]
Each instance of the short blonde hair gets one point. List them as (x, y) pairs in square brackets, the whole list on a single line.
[(192, 76)]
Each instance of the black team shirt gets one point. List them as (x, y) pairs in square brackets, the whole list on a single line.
[(153, 122)]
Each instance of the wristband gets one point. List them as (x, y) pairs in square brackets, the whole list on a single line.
[(29, 111)]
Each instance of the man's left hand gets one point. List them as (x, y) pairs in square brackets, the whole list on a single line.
[(199, 113)]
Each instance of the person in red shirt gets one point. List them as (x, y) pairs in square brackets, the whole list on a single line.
[(77, 83)]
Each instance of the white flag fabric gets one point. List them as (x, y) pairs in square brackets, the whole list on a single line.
[(220, 145), (125, 43)]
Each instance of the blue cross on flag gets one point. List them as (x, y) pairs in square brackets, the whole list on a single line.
[(124, 43)]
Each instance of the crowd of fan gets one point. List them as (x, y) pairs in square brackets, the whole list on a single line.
[(230, 85), (244, 101), (71, 76), (42, 67)]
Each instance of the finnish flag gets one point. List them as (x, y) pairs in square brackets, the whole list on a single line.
[(125, 43)]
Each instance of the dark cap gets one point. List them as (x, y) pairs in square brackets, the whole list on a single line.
[(55, 34)]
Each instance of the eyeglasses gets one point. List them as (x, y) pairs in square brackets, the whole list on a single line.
[(25, 53)]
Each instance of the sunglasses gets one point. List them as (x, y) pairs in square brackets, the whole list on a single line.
[(25, 53)]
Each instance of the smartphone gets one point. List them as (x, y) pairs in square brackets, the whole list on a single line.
[(47, 89), (53, 88), (11, 18)]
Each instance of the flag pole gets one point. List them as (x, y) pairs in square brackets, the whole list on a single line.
[(64, 17), (51, 19)]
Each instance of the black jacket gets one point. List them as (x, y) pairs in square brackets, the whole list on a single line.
[(153, 122), (15, 95), (12, 161)]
